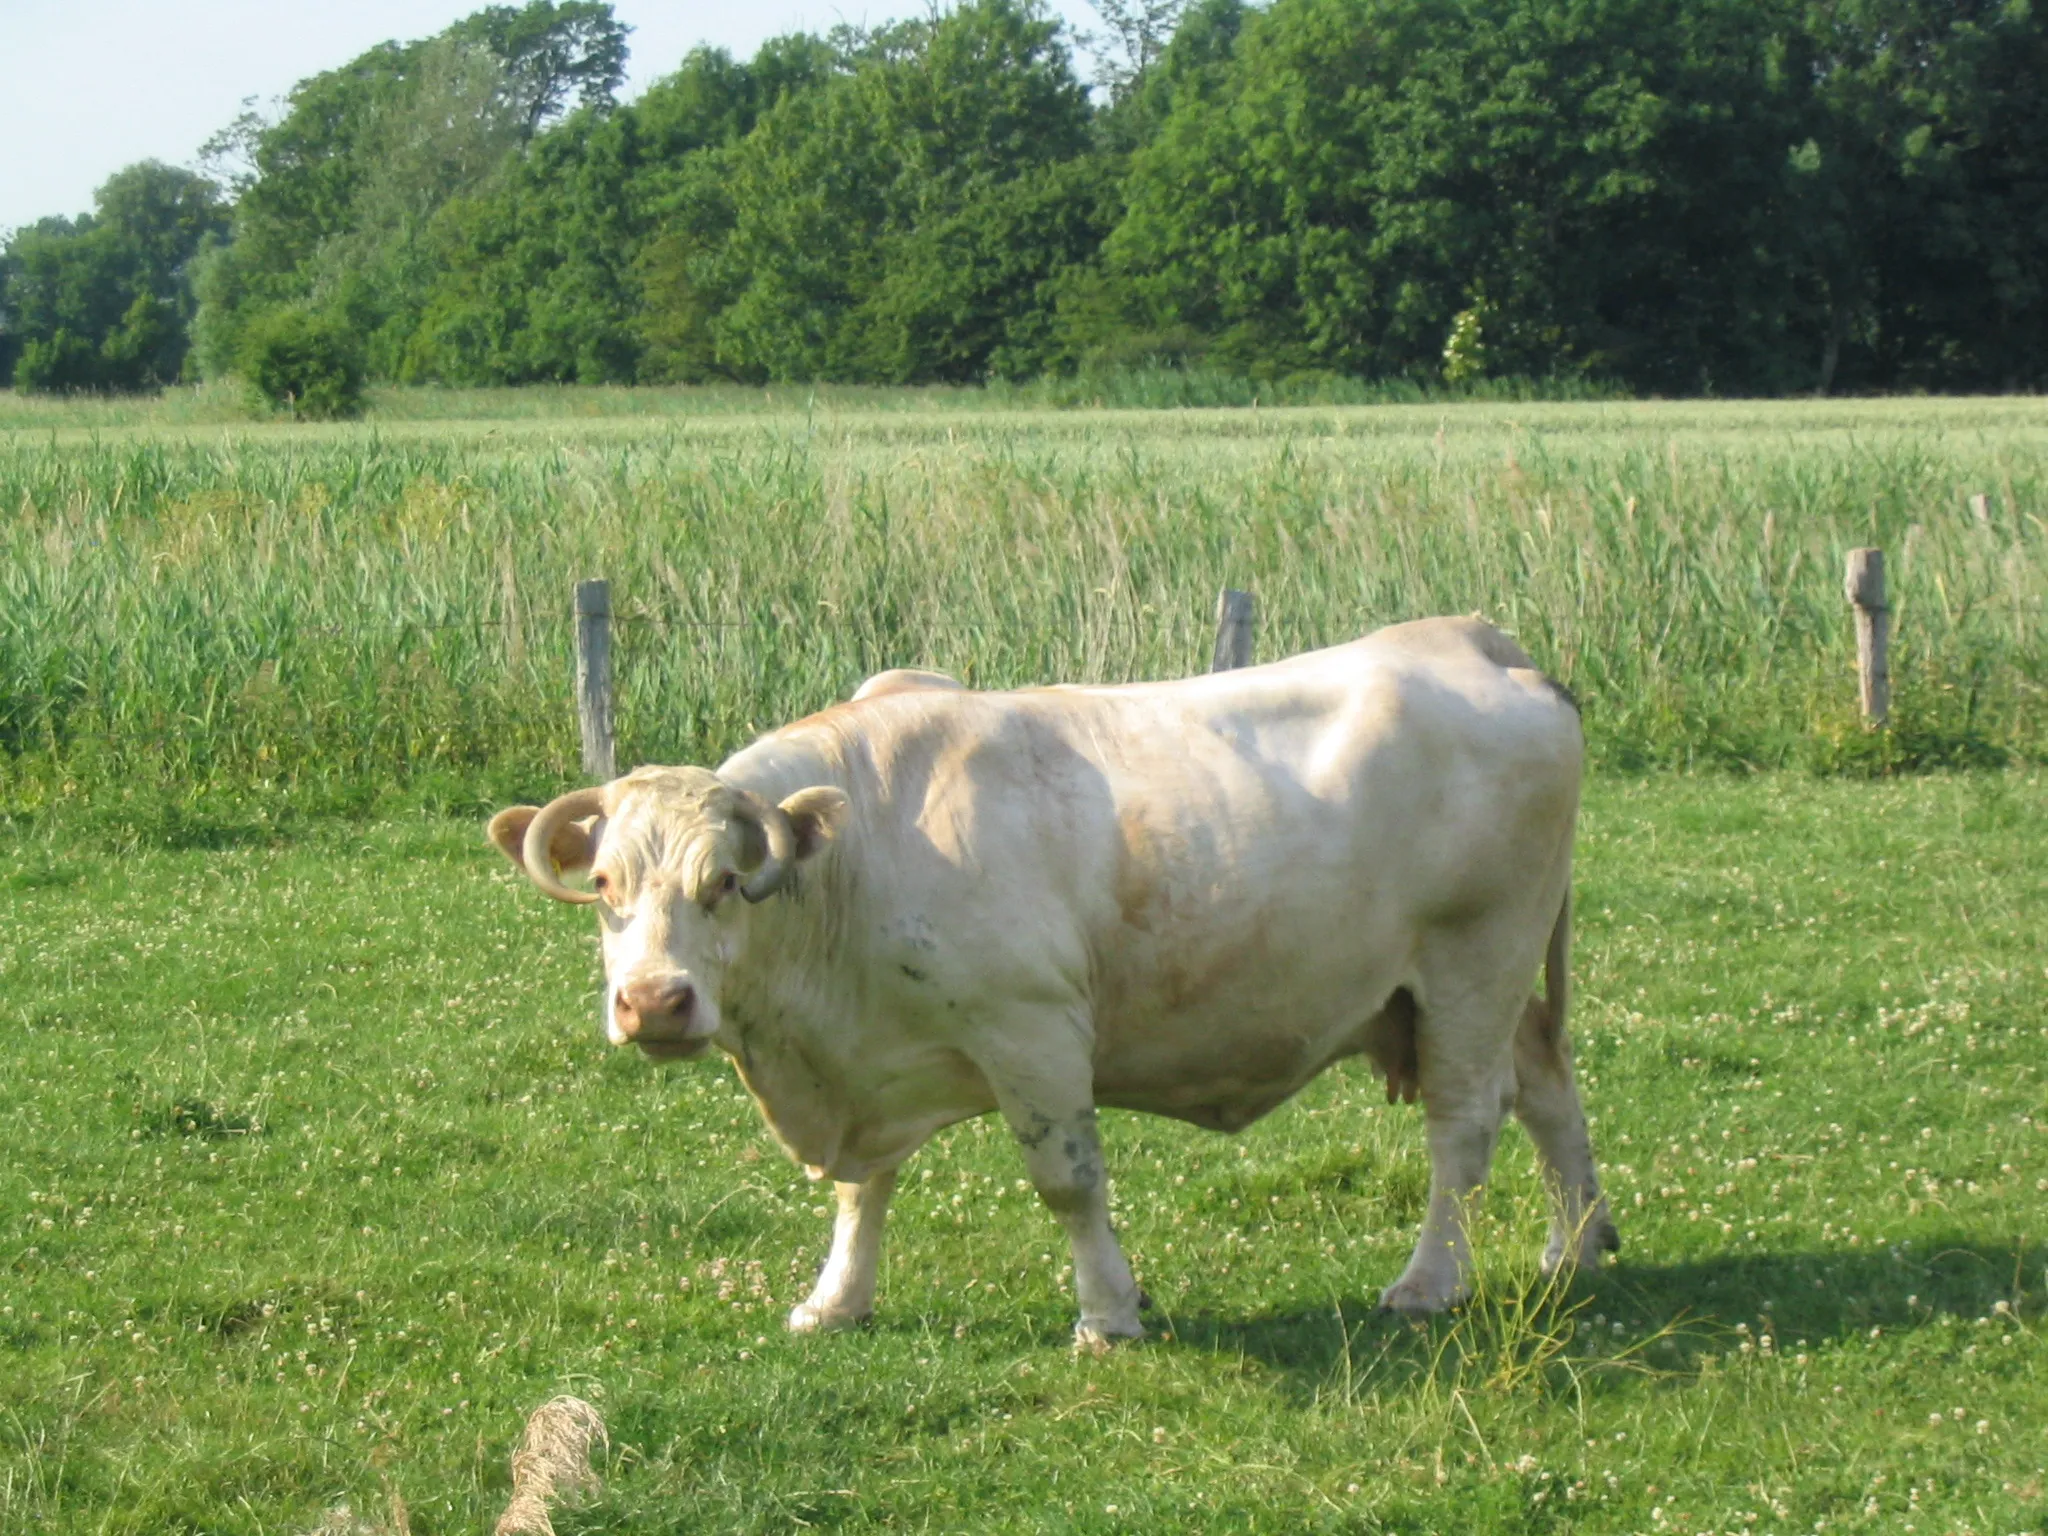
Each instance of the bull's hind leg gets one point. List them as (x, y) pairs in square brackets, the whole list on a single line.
[(845, 1292), (1467, 1081), (1547, 1104)]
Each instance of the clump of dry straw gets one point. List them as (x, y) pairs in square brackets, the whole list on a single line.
[(552, 1463)]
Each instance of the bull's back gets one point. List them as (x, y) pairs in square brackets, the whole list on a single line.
[(1172, 806)]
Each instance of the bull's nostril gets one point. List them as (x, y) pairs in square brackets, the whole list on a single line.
[(678, 999), (627, 1016)]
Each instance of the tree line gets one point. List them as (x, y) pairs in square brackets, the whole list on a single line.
[(1670, 196)]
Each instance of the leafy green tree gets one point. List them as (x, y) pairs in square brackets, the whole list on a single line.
[(64, 284), (1195, 58), (1099, 320), (310, 163), (897, 222), (1677, 195), (1601, 169), (451, 131), (102, 301), (1926, 181), (343, 188), (1465, 347), (1137, 34), (974, 292), (528, 284), (550, 53), (541, 269)]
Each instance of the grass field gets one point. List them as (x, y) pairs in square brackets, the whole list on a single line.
[(318, 1176), (205, 629)]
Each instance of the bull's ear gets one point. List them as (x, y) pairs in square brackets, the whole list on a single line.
[(815, 817), (572, 846)]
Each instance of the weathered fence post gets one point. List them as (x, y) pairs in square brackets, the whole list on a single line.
[(1234, 612), (594, 677), (1864, 584)]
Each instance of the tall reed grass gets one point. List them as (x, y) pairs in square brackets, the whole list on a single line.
[(345, 612)]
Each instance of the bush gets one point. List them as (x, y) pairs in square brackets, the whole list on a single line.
[(304, 363), (62, 364)]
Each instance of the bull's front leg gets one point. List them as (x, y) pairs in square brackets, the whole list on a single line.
[(1048, 1098), (1064, 1156), (845, 1292)]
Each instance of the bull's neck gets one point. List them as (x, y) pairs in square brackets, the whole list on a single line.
[(776, 767), (787, 992), (795, 934)]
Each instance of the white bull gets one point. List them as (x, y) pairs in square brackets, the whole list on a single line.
[(1185, 897)]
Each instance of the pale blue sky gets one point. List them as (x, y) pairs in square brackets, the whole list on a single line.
[(88, 86)]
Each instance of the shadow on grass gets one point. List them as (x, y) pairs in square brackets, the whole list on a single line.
[(1658, 1317)]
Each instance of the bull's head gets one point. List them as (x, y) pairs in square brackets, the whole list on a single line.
[(675, 856)]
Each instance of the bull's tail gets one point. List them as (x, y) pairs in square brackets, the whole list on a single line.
[(1543, 1022), (1547, 1100), (1557, 967)]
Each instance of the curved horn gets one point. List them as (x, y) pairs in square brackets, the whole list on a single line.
[(540, 832), (774, 824)]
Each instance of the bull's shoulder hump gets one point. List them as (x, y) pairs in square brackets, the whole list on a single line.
[(1472, 650), (907, 680), (883, 696), (1450, 638)]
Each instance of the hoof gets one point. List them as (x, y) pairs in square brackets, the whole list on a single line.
[(805, 1318), (1600, 1238), (1416, 1299), (1098, 1338)]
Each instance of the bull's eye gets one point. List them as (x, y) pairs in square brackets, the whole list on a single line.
[(602, 885), (729, 884)]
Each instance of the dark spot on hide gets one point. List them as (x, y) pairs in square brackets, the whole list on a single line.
[(913, 972), (1086, 1174), (1032, 1136)]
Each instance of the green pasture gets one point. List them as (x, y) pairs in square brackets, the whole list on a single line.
[(319, 1177), (209, 628)]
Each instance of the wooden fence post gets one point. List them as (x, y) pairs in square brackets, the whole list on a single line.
[(594, 677), (1864, 584), (1234, 612)]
